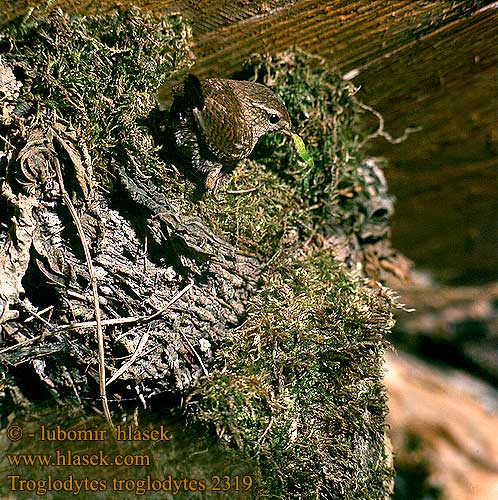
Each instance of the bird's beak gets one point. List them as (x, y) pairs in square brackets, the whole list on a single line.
[(287, 132)]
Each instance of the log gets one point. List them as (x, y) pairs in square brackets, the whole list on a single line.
[(121, 278)]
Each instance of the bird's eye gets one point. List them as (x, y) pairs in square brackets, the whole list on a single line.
[(274, 119)]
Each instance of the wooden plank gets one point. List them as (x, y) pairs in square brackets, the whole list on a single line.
[(349, 34), (444, 176)]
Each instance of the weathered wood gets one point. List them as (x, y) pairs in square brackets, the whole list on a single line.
[(445, 175), (131, 287), (160, 269)]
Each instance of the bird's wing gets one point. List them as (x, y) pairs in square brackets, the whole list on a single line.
[(192, 91), (222, 126)]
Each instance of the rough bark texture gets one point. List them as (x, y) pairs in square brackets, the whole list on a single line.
[(132, 283)]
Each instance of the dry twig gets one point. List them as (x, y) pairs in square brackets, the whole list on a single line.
[(92, 324), (145, 337), (380, 132), (95, 293)]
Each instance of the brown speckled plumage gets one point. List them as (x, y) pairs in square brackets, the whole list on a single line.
[(217, 122)]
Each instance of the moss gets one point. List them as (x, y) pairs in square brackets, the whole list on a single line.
[(99, 74), (326, 114), (298, 385)]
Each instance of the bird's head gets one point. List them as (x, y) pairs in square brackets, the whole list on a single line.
[(264, 110)]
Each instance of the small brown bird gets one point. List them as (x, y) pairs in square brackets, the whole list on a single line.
[(214, 123)]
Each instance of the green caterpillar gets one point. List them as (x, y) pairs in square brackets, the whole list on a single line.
[(301, 150)]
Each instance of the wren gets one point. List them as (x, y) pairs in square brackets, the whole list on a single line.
[(215, 123)]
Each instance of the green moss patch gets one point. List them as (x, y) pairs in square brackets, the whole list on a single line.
[(325, 114), (97, 74), (298, 385)]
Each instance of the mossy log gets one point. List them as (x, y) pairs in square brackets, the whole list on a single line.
[(142, 257), (262, 290), (430, 65)]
